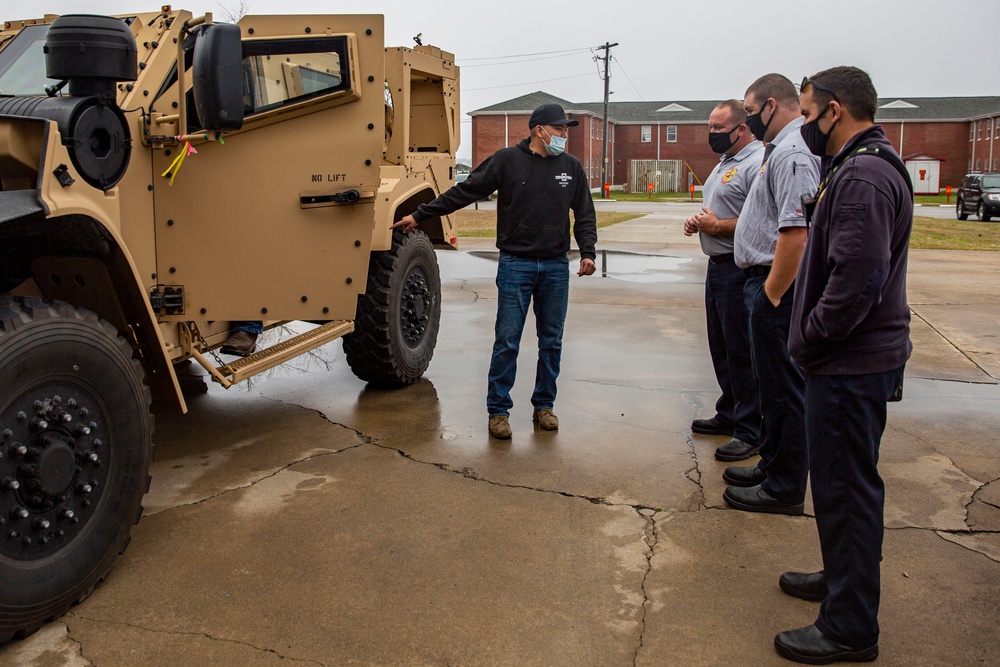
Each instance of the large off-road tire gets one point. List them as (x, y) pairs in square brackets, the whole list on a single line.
[(960, 212), (75, 448), (398, 315)]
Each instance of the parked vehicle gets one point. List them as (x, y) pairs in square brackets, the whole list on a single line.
[(979, 193), (162, 176)]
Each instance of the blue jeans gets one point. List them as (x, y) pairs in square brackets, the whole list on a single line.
[(845, 419), (545, 284), (784, 456), (249, 326), (729, 344)]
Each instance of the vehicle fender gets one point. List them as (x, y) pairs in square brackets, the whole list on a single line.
[(62, 242)]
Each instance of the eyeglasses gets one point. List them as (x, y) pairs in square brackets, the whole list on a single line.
[(806, 81)]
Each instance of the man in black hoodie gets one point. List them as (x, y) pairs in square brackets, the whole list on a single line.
[(537, 185), (850, 334)]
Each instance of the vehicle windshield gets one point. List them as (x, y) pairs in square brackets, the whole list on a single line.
[(22, 63), (991, 181)]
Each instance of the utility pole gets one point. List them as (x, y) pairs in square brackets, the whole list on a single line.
[(604, 137)]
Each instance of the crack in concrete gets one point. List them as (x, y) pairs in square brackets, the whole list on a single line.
[(461, 287), (955, 347), (650, 539), (466, 472), (979, 500), (662, 390), (364, 441), (181, 633), (696, 470), (915, 436), (70, 637)]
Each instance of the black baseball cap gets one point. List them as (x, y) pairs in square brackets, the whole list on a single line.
[(550, 114)]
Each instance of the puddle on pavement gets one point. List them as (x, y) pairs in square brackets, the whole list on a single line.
[(619, 265), (627, 266)]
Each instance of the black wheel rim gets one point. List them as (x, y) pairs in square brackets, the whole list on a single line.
[(53, 468), (415, 306)]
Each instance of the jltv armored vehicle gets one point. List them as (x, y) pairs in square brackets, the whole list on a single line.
[(163, 176)]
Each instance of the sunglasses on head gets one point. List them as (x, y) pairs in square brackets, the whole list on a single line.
[(806, 81)]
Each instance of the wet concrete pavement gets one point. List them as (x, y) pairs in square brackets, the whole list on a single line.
[(309, 519)]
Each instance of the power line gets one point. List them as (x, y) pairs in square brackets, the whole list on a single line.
[(628, 79), (528, 83), (525, 55), (528, 60)]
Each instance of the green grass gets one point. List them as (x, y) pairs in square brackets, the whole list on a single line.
[(483, 224), (935, 234), (928, 233), (618, 195)]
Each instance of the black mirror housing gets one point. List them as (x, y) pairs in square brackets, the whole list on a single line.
[(217, 73)]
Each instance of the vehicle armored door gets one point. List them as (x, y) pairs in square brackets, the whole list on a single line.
[(274, 220)]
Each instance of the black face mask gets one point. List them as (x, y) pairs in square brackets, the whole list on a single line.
[(757, 126), (814, 137), (722, 141)]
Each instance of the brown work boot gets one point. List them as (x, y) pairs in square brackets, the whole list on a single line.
[(240, 344), (500, 427), (546, 419)]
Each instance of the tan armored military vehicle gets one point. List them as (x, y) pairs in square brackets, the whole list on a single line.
[(163, 176)]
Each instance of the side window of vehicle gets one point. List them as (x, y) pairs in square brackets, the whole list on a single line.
[(281, 72)]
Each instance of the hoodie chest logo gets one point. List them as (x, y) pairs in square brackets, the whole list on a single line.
[(564, 179)]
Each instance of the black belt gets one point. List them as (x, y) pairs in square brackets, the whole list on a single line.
[(722, 259), (757, 271)]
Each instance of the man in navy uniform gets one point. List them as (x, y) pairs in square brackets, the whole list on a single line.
[(850, 334)]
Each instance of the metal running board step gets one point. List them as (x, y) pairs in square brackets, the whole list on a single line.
[(239, 370)]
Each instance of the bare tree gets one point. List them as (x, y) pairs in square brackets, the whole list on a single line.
[(232, 12)]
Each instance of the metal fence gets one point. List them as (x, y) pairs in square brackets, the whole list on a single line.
[(665, 175)]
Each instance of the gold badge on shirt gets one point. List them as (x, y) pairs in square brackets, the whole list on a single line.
[(728, 176)]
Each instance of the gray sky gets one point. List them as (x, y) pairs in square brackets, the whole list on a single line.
[(668, 50)]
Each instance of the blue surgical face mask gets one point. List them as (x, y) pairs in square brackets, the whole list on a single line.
[(556, 145)]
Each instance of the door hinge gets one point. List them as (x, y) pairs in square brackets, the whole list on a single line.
[(167, 299)]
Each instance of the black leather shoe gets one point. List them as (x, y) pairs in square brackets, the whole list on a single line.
[(743, 475), (756, 499), (804, 585), (736, 450), (812, 647), (240, 344), (711, 427)]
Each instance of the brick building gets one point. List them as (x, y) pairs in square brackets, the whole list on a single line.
[(666, 143)]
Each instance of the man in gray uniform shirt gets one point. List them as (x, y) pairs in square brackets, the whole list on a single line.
[(737, 412), (770, 237)]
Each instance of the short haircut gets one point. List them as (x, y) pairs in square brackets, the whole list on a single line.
[(736, 109), (776, 86), (852, 86)]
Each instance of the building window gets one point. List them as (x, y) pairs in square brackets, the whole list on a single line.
[(989, 128), (978, 162), (979, 136), (972, 131), (647, 134), (671, 134)]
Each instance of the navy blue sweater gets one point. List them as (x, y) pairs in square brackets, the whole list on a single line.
[(850, 315), (535, 196)]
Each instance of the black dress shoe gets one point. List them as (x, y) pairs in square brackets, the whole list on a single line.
[(756, 499), (743, 475), (804, 585), (812, 647), (736, 450), (711, 427)]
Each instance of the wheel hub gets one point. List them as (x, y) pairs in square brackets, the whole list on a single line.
[(51, 469), (416, 305)]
